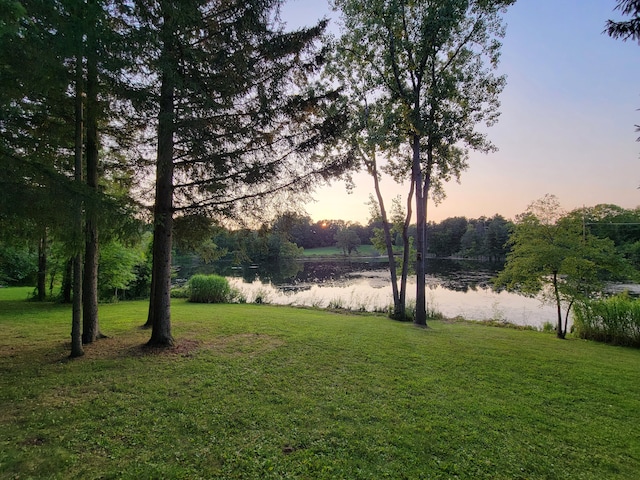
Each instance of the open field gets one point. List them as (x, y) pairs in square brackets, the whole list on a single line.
[(266, 392)]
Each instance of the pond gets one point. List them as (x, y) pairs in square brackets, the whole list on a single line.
[(454, 288)]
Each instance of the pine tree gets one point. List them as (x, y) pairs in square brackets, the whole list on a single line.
[(235, 121)]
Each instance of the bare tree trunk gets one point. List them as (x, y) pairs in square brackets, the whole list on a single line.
[(160, 302), (67, 275), (566, 318), (406, 252), (41, 287), (150, 315), (76, 318), (91, 328), (421, 224), (398, 307), (559, 331), (76, 315)]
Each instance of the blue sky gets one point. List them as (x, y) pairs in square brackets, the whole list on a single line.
[(567, 123)]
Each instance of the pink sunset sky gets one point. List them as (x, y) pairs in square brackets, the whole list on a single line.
[(568, 119)]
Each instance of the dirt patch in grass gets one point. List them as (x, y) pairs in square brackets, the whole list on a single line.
[(245, 344), (183, 347), (132, 345)]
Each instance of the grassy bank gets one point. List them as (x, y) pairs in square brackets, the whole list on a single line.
[(258, 391)]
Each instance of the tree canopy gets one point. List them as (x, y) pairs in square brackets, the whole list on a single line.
[(552, 254), (626, 29), (221, 92), (423, 74)]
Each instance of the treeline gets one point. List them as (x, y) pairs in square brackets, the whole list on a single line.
[(483, 238), (125, 267)]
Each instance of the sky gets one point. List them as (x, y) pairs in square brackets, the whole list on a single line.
[(567, 124)]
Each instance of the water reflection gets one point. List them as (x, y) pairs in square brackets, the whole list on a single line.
[(455, 287)]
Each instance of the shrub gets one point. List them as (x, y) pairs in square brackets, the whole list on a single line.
[(548, 327), (180, 292), (209, 289), (612, 320)]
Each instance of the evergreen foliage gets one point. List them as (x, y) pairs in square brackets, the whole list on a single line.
[(626, 29)]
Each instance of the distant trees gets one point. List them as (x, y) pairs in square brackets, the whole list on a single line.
[(618, 224), (484, 238), (285, 237), (347, 240)]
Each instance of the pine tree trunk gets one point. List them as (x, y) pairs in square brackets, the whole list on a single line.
[(91, 328), (160, 302), (76, 274), (67, 279), (150, 315), (76, 317), (41, 287)]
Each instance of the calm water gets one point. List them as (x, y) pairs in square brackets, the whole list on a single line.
[(453, 288)]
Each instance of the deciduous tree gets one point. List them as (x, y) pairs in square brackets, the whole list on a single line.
[(428, 67), (554, 256), (347, 240)]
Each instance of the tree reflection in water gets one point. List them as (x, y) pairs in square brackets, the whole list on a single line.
[(455, 287)]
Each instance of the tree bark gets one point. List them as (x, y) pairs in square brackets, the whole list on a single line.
[(41, 287), (559, 331), (76, 282), (67, 277), (150, 314), (406, 252), (160, 302), (76, 316), (398, 307), (91, 328), (421, 227)]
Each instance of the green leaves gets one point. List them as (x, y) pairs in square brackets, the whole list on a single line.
[(553, 250)]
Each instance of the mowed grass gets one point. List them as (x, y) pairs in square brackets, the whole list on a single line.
[(266, 392)]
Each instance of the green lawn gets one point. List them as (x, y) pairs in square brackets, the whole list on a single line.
[(266, 392)]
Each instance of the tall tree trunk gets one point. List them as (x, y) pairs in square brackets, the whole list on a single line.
[(91, 328), (41, 287), (150, 315), (421, 224), (566, 318), (67, 275), (406, 252), (76, 315), (398, 308), (160, 302), (559, 330)]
